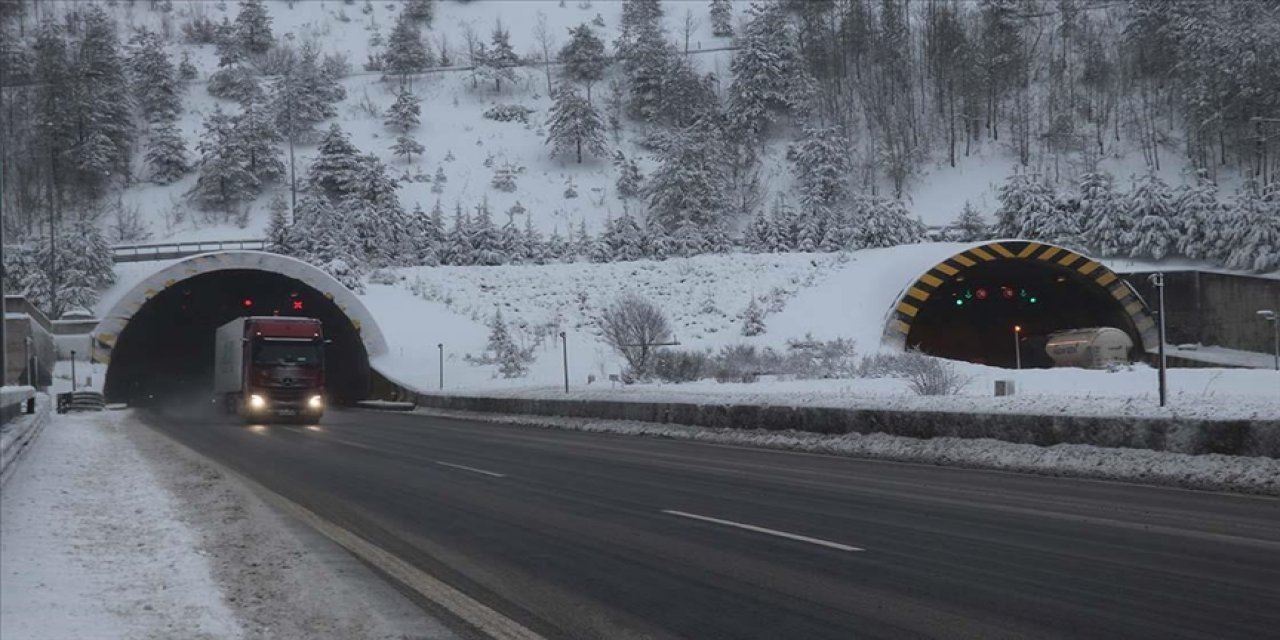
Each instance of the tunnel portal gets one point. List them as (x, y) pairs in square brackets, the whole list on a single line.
[(980, 303), (158, 342)]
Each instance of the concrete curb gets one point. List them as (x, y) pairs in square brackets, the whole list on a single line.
[(1176, 435), (17, 436)]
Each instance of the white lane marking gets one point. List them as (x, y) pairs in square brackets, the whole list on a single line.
[(471, 469), (772, 532)]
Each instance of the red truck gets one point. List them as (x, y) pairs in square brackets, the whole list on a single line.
[(270, 367)]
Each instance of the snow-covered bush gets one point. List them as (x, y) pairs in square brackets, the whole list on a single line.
[(232, 83), (930, 376), (509, 113), (675, 365), (811, 358), (744, 363)]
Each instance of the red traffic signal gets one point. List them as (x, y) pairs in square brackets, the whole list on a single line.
[(247, 302), (297, 305)]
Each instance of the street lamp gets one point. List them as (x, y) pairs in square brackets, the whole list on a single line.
[(1274, 319), (1157, 279), (1017, 345)]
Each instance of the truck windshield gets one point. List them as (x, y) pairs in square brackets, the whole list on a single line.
[(279, 352)]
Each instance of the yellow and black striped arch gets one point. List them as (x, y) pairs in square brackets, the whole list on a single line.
[(1093, 272)]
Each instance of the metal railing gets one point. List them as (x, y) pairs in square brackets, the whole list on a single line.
[(175, 250)]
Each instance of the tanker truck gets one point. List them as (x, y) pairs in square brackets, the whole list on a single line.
[(268, 367), (1092, 348)]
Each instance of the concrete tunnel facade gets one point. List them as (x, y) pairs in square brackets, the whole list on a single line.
[(157, 338), (966, 305)]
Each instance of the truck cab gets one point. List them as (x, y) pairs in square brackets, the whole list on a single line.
[(270, 367)]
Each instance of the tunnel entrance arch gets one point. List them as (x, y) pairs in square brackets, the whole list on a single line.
[(157, 340), (967, 306)]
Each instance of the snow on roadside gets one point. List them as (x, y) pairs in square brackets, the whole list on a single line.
[(1213, 472), (91, 545)]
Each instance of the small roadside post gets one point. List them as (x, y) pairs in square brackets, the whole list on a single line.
[(1274, 318), (564, 345), (1157, 279), (73, 370), (440, 347)]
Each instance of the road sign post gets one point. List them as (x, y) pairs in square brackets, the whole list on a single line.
[(440, 346), (564, 345)]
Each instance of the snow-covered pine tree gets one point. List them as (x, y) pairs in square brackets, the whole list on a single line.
[(226, 44), (688, 239), (278, 234), (84, 265), (1012, 198), (685, 96), (624, 240), (253, 27), (1104, 222), (657, 243), (438, 182), (403, 114), (821, 167), (457, 247), (558, 248), (583, 57), (337, 169), (809, 231), (1255, 217), (574, 124), (154, 82), (887, 223), (421, 10), (486, 239), (406, 53), (407, 147), (1150, 205), (224, 179), (535, 249), (756, 238), (504, 177), (647, 57), (721, 18), (970, 226), (630, 180), (187, 69), (580, 246), (782, 226), (1043, 219), (312, 212), (512, 361), (1197, 215), (257, 135), (101, 108), (838, 234), (766, 69), (499, 61), (753, 319), (689, 183), (166, 153)]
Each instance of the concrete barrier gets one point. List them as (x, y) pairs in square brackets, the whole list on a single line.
[(1178, 435), (16, 435)]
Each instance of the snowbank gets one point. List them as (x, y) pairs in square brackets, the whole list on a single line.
[(1207, 472)]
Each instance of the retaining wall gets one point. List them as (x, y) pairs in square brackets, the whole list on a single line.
[(1233, 437)]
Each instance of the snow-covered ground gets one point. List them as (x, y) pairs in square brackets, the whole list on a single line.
[(1209, 472), (109, 530)]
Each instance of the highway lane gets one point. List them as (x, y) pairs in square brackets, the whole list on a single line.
[(600, 536)]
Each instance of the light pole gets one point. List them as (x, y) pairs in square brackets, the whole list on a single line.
[(26, 359), (564, 344), (1157, 279), (1274, 319), (1017, 345), (73, 370), (441, 348)]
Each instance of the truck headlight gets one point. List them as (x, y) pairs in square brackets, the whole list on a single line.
[(316, 402), (257, 402)]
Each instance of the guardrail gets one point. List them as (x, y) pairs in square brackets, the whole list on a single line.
[(175, 250)]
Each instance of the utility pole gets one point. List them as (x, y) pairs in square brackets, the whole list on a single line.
[(1157, 279)]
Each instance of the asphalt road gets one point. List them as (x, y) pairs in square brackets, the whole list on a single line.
[(598, 536)]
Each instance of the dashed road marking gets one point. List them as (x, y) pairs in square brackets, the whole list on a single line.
[(772, 532)]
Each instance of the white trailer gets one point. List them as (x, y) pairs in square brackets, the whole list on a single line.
[(1093, 348), (228, 358)]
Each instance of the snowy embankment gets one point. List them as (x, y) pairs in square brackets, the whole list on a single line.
[(1205, 472), (110, 530)]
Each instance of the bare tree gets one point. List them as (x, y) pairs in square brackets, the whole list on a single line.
[(634, 326), (546, 43), (690, 25)]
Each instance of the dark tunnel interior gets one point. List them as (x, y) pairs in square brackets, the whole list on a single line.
[(972, 316), (165, 353)]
